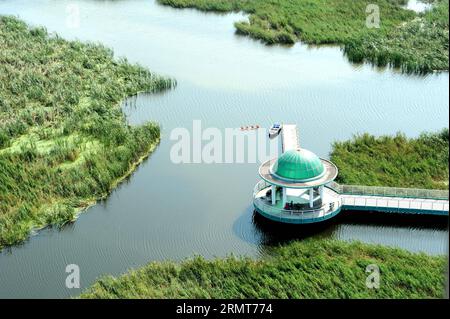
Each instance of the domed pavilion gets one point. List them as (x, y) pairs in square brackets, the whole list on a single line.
[(294, 188)]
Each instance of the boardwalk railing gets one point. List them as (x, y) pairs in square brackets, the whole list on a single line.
[(389, 191), (392, 204)]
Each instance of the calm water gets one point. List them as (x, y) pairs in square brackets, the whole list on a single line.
[(418, 5), (168, 211)]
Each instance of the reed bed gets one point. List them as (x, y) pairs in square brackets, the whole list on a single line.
[(314, 268), (418, 46), (395, 161), (64, 141), (415, 43)]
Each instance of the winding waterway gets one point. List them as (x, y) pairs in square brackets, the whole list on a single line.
[(171, 211)]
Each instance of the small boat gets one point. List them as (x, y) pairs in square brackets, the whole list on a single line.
[(250, 127), (274, 130)]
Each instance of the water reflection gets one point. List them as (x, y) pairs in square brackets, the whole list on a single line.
[(418, 5), (360, 225)]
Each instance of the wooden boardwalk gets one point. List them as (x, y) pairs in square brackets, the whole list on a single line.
[(392, 199), (289, 137), (404, 205)]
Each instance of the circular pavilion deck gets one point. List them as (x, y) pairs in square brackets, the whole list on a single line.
[(330, 206)]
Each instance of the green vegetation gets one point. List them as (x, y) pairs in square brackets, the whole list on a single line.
[(64, 141), (416, 46), (308, 269), (413, 42), (395, 161)]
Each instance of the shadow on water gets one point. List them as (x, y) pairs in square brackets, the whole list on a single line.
[(274, 233), (269, 233), (255, 229), (394, 220)]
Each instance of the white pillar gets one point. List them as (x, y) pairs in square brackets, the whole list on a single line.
[(311, 197), (321, 192), (274, 194), (284, 197)]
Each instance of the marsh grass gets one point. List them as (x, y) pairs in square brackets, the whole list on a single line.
[(416, 46), (416, 43), (395, 161), (64, 141), (314, 268)]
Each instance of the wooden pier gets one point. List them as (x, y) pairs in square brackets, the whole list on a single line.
[(289, 137)]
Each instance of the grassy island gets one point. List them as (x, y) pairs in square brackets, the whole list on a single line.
[(64, 141), (308, 269), (414, 42), (315, 268)]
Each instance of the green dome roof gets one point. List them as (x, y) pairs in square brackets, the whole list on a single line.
[(299, 165)]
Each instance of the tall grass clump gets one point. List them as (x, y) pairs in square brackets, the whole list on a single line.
[(415, 43), (416, 46), (395, 161), (307, 269), (64, 141)]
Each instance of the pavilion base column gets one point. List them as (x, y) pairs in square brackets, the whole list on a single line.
[(321, 192), (274, 194), (311, 198), (284, 197)]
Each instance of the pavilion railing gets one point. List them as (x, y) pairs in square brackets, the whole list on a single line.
[(389, 191), (262, 184), (307, 213), (304, 213)]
